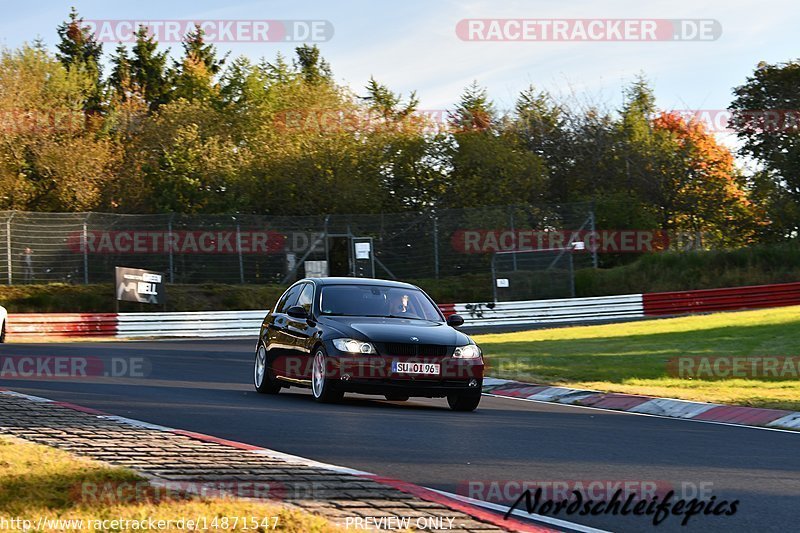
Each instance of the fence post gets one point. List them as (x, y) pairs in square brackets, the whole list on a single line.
[(84, 245), (594, 235), (239, 249), (514, 233), (436, 246), (8, 247), (571, 276), (494, 278), (169, 247)]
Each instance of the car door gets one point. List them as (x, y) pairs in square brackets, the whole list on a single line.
[(279, 344), (303, 332)]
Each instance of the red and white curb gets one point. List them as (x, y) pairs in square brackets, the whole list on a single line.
[(452, 501), (648, 405)]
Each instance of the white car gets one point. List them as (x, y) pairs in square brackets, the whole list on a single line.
[(3, 317)]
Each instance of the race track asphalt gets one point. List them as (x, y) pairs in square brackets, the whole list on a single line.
[(205, 386)]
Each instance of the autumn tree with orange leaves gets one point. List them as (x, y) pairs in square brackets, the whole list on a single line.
[(709, 193)]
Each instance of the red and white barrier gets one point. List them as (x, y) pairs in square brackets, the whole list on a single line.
[(750, 297), (61, 324), (501, 314)]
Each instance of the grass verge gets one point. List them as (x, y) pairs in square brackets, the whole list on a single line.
[(41, 482), (635, 357)]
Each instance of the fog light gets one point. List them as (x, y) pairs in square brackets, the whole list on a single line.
[(345, 377), (473, 383)]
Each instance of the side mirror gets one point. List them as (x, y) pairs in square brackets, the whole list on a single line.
[(297, 311), (455, 321)]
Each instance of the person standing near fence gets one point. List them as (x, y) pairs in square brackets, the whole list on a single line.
[(27, 264)]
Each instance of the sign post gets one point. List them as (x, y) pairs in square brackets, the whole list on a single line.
[(137, 285)]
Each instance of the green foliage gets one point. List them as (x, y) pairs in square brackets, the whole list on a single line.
[(51, 156), (313, 69), (765, 113), (208, 135), (148, 70), (79, 51), (195, 74)]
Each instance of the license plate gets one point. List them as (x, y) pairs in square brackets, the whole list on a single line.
[(428, 369)]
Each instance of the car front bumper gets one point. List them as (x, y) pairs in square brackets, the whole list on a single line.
[(424, 388), (373, 374)]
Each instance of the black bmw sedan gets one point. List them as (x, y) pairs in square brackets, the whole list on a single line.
[(369, 336)]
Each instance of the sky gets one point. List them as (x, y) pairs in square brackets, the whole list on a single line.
[(413, 45)]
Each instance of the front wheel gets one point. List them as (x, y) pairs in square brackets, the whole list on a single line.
[(261, 374), (464, 401), (321, 387)]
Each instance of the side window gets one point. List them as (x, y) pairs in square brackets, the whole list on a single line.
[(306, 297), (288, 299)]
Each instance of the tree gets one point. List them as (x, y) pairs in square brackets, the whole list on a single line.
[(79, 50), (489, 166), (313, 68), (120, 78), (148, 69), (540, 124), (709, 195), (53, 157), (387, 104), (474, 112), (196, 71), (765, 117)]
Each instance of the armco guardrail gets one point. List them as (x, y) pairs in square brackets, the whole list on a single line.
[(194, 324), (476, 315), (728, 299), (536, 312)]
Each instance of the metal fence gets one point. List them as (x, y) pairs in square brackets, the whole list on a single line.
[(85, 247)]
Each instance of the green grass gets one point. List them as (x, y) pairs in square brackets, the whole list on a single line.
[(37, 481), (633, 357)]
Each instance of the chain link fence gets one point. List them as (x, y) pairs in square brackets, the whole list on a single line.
[(84, 248)]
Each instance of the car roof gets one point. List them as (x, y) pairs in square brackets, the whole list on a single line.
[(361, 281)]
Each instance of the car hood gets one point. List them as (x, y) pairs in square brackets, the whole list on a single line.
[(396, 330)]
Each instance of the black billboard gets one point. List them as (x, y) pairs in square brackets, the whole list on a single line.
[(137, 285)]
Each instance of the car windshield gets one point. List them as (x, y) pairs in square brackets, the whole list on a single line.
[(377, 301)]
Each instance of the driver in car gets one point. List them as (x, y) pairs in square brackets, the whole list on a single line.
[(400, 306)]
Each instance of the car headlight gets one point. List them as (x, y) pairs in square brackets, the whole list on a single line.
[(353, 346), (470, 351)]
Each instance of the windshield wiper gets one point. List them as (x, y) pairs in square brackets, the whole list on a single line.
[(380, 316)]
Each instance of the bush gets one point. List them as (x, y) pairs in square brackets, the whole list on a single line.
[(669, 271)]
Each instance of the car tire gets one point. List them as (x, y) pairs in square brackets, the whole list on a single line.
[(323, 389), (464, 401), (396, 397), (262, 377)]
